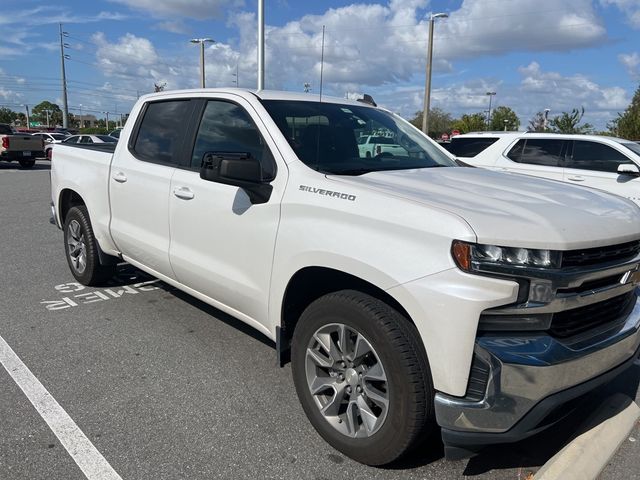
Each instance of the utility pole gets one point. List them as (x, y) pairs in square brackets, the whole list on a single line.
[(65, 105), (427, 88), (260, 44), (107, 114), (28, 122), (202, 41)]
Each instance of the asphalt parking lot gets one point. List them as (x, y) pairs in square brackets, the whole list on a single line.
[(166, 387)]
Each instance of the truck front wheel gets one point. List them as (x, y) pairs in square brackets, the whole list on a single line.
[(362, 377), (81, 249)]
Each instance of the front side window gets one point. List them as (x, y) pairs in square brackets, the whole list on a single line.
[(72, 140), (85, 139), (159, 134), (227, 127), (537, 151), (596, 156), (327, 138)]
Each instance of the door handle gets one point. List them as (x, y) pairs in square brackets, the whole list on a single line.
[(119, 177), (576, 178), (184, 193)]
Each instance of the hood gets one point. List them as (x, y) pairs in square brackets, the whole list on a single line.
[(514, 210)]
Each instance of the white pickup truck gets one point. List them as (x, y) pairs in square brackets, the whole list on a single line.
[(407, 292)]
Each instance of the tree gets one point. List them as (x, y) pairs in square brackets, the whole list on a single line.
[(570, 122), (439, 121), (39, 113), (537, 123), (7, 115), (470, 123), (627, 125), (502, 114)]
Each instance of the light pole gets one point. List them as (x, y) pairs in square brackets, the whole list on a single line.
[(490, 95), (506, 122), (107, 114), (427, 89), (80, 115), (202, 41)]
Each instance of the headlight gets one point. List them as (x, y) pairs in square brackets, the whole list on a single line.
[(469, 256)]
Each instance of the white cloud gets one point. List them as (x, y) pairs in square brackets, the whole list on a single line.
[(631, 62), (631, 9), (173, 26), (198, 9), (540, 89)]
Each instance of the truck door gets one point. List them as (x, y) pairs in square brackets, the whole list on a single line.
[(221, 244), (140, 180)]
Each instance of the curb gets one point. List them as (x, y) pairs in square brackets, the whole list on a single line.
[(587, 455)]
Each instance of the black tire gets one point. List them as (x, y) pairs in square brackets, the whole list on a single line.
[(27, 163), (93, 272), (410, 417)]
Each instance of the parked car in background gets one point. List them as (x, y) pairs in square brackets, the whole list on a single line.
[(372, 145), (115, 133), (88, 139), (49, 139), (20, 147), (608, 163)]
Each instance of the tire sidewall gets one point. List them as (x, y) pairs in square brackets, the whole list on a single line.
[(82, 217), (386, 441)]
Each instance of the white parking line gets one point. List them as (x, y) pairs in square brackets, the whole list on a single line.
[(87, 457)]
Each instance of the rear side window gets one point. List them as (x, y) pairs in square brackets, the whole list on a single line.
[(537, 151), (159, 135), (227, 127), (5, 129), (595, 156), (470, 147)]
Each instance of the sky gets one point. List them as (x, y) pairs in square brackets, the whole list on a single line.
[(535, 54)]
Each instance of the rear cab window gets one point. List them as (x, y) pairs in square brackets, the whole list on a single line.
[(160, 133), (470, 147)]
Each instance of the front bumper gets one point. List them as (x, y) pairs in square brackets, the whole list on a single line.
[(530, 380)]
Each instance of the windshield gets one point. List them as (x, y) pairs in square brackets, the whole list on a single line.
[(634, 147), (325, 137)]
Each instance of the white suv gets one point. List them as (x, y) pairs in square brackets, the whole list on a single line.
[(607, 163)]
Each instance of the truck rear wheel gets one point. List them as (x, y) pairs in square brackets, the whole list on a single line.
[(27, 163), (362, 377), (81, 249)]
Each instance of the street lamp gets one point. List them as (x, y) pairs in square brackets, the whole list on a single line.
[(427, 89), (506, 122), (80, 115), (202, 41), (107, 114), (490, 95)]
